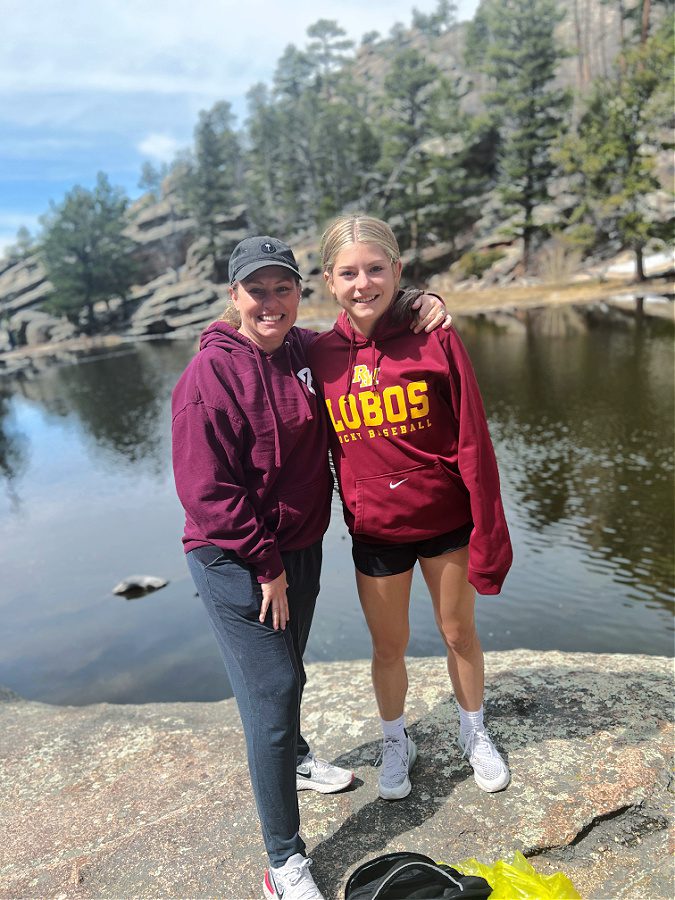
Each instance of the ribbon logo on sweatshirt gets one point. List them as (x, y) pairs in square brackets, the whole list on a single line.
[(305, 376)]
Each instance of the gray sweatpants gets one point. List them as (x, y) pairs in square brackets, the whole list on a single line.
[(267, 675)]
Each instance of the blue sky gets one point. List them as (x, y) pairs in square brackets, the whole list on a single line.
[(102, 85)]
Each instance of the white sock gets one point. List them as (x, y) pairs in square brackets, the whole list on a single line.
[(394, 729), (470, 721)]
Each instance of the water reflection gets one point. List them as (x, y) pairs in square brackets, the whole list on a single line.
[(585, 432), (583, 427), (13, 449), (118, 400)]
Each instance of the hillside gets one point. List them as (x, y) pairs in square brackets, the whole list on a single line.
[(178, 283)]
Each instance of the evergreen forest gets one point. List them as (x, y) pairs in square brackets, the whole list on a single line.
[(539, 119)]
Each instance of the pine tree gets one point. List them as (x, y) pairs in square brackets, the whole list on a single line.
[(612, 153), (342, 143), (477, 38), (152, 177), (521, 56), (326, 50), (409, 121), (370, 38), (310, 146), (296, 106), (437, 22), (461, 172), (641, 15), (23, 246), (265, 173), (210, 183), (85, 251)]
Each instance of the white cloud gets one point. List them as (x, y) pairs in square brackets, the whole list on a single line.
[(212, 47), (99, 85), (161, 147)]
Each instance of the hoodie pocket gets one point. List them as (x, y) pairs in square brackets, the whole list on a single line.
[(411, 504), (304, 511)]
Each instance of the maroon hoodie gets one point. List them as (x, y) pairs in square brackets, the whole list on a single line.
[(250, 451), (410, 441)]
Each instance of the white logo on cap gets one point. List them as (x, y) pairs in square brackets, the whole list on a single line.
[(268, 248)]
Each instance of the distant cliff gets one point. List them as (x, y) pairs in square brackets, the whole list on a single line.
[(177, 288)]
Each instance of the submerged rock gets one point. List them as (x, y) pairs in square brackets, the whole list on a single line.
[(137, 585)]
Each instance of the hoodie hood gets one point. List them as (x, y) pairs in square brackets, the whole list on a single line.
[(224, 336), (221, 334), (250, 448), (385, 327)]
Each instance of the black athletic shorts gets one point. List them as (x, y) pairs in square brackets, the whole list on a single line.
[(392, 559)]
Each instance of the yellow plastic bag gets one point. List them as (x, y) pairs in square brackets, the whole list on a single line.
[(518, 880)]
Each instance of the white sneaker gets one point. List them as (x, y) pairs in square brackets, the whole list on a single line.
[(314, 774), (489, 769), (292, 881), (398, 758)]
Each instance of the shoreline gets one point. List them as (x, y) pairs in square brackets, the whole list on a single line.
[(611, 297)]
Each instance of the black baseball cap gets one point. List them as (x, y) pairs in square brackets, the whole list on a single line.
[(255, 253)]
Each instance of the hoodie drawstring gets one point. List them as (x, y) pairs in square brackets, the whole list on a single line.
[(261, 371), (352, 345), (375, 364)]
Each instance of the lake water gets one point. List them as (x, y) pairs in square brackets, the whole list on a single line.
[(583, 428)]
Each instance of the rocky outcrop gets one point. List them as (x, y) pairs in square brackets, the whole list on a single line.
[(166, 306), (161, 234), (27, 362), (179, 301), (154, 800), (22, 285), (176, 293)]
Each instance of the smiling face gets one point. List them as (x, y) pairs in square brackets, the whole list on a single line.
[(267, 302), (364, 281)]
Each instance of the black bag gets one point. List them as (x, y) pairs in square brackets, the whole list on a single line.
[(412, 876)]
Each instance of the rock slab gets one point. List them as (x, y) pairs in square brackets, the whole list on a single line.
[(154, 800)]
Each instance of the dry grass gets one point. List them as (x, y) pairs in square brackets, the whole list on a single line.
[(521, 297)]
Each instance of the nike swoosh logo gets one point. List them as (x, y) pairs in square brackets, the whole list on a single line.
[(395, 484)]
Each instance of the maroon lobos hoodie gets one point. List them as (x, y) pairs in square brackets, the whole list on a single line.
[(250, 452), (410, 441)]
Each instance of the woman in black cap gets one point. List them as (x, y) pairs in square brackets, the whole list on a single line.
[(250, 458)]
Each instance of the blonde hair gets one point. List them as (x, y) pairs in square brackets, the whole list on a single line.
[(362, 229), (356, 229), (230, 315)]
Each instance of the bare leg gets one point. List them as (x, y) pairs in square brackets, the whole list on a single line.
[(453, 599), (385, 602)]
